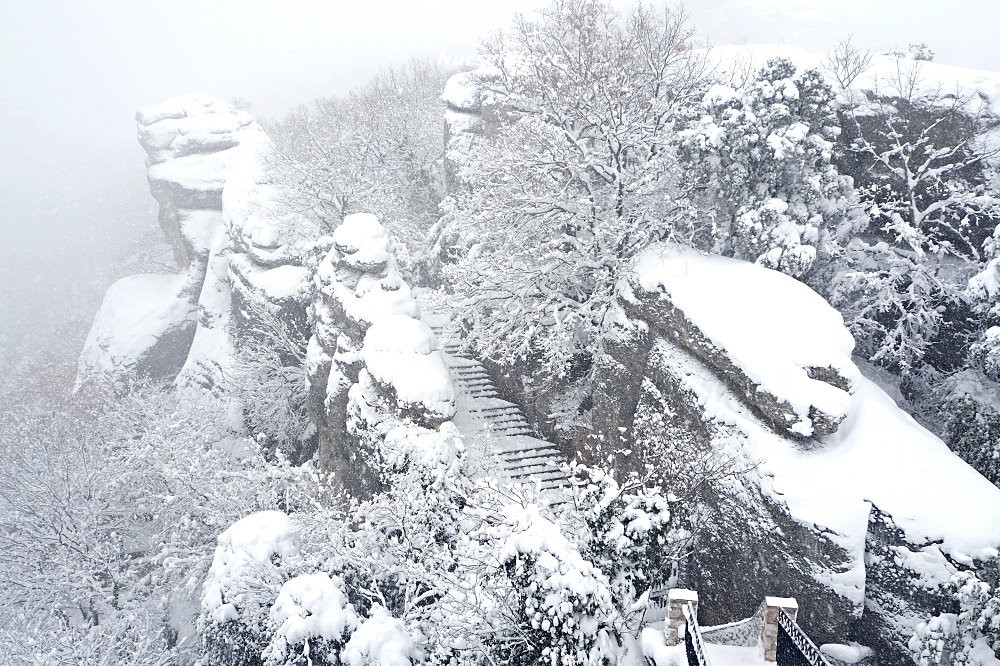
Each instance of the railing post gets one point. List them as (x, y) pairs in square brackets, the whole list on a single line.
[(769, 639), (675, 625)]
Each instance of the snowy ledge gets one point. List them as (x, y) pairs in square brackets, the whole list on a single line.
[(768, 335)]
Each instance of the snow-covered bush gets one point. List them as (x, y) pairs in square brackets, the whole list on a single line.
[(381, 640), (762, 159), (560, 608), (311, 620), (242, 584), (971, 636), (628, 535)]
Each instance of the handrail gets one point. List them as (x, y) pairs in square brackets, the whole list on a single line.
[(802, 643), (696, 645)]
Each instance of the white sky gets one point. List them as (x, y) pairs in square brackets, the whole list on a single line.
[(73, 72)]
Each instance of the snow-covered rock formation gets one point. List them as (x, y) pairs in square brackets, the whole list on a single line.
[(163, 327), (881, 511), (370, 352)]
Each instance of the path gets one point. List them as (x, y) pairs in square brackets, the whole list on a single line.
[(495, 430)]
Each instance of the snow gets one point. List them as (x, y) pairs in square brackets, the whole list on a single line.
[(190, 125), (680, 594), (720, 95), (381, 640), (880, 456), (201, 172), (311, 606), (211, 349), (560, 564), (400, 334), (244, 549), (200, 228), (136, 311), (986, 284), (851, 653), (733, 655), (461, 92), (363, 241), (463, 123), (401, 352), (884, 68), (781, 602), (182, 107), (436, 451), (771, 326), (654, 648), (374, 299), (279, 283)]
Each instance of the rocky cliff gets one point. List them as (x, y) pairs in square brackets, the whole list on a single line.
[(174, 326), (734, 384)]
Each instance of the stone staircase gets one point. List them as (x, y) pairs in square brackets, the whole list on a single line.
[(501, 425)]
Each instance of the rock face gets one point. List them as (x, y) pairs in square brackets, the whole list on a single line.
[(369, 347), (727, 367), (242, 284), (192, 144)]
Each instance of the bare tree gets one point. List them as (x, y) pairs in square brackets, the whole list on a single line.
[(377, 150), (846, 62)]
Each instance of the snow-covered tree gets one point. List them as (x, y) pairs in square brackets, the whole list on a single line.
[(572, 178), (972, 635), (762, 160), (916, 287), (919, 161), (376, 150)]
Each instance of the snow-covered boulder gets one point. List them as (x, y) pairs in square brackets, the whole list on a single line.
[(774, 340), (143, 330), (873, 516), (353, 354), (401, 355)]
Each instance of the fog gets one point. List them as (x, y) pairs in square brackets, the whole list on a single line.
[(73, 197)]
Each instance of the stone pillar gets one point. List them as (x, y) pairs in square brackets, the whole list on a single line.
[(675, 624), (769, 638)]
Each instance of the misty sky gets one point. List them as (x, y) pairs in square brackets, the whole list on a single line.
[(73, 72)]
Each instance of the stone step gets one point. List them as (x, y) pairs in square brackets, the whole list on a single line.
[(494, 405), (508, 421), (513, 432), (473, 380), (529, 454), (537, 464), (509, 425), (471, 373), (551, 477), (505, 417)]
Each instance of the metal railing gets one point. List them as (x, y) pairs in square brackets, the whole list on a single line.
[(693, 643), (802, 643)]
